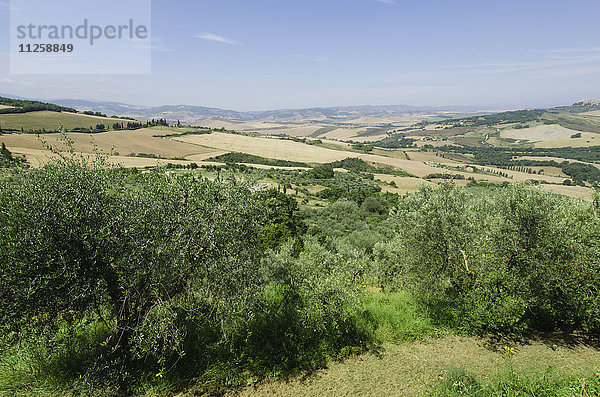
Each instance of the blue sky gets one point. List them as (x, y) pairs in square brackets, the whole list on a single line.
[(267, 54)]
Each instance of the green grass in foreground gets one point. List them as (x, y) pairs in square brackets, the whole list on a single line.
[(43, 368), (507, 383), (397, 317)]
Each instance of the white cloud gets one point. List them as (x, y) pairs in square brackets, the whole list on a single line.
[(386, 1), (7, 80), (158, 44), (573, 50), (217, 38)]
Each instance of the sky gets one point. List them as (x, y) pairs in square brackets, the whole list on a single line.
[(274, 54)]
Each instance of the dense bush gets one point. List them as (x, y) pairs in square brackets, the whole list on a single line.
[(130, 275), (513, 259), (236, 157)]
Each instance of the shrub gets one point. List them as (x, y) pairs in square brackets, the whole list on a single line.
[(75, 240), (120, 279), (514, 259)]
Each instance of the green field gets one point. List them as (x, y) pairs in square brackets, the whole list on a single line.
[(51, 121)]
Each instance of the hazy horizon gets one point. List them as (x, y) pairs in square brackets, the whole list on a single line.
[(268, 55)]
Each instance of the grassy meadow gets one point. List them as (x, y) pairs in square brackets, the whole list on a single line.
[(51, 121)]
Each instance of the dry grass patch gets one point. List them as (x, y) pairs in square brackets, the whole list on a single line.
[(123, 142), (266, 147), (587, 139), (412, 369), (430, 157), (541, 133), (571, 191), (403, 185)]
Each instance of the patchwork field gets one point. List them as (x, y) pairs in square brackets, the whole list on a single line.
[(592, 113), (131, 147), (356, 133), (265, 147)]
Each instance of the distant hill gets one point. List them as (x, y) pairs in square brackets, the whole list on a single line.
[(190, 113), (170, 112)]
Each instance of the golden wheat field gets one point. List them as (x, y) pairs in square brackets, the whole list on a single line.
[(538, 133), (571, 191), (122, 142), (266, 147), (587, 139), (553, 136)]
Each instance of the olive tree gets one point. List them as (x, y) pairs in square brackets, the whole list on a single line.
[(144, 252)]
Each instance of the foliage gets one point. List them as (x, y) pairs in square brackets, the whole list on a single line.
[(321, 171), (285, 219), (117, 279), (514, 260), (78, 239), (445, 176), (354, 164), (362, 147), (24, 106), (91, 113), (581, 172), (371, 204), (236, 157)]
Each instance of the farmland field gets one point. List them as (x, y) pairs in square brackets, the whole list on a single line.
[(123, 142), (265, 147), (539, 134), (198, 148), (51, 121)]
